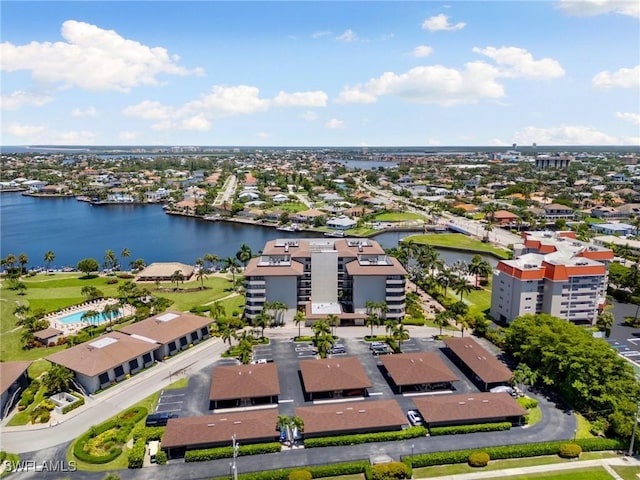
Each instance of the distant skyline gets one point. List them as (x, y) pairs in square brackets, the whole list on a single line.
[(356, 73)]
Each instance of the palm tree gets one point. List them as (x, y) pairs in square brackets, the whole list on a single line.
[(278, 308), (58, 379), (232, 265), (283, 425), (334, 322), (444, 279), (399, 334), (110, 311), (23, 260), (244, 254), (226, 334), (372, 320), (320, 327), (389, 327), (125, 253), (461, 287), (245, 351), (262, 321), (10, 261), (176, 277), (605, 322), (525, 376), (201, 275), (211, 259), (441, 319), (299, 318), (110, 260), (90, 316), (217, 311), (21, 311), (323, 343), (49, 257)]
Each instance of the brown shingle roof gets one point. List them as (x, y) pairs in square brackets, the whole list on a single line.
[(417, 368), (332, 374), (10, 372), (214, 429), (467, 407), (47, 333), (244, 381), (91, 359), (479, 360), (178, 325), (352, 416)]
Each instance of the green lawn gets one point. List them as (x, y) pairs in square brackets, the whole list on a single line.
[(627, 473), (292, 207), (597, 473), (217, 287), (458, 241), (398, 217), (458, 468)]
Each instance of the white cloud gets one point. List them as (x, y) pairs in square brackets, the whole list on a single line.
[(229, 100), (334, 124), (263, 135), (347, 36), (20, 98), (89, 112), (301, 99), (422, 51), (91, 58), (622, 78), (434, 142), (149, 110), (441, 22), (629, 117), (430, 84), (18, 130), (128, 135), (198, 123), (518, 62), (568, 135), (600, 7), (309, 116), (321, 34), (41, 134)]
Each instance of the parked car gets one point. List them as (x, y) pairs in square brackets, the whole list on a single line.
[(159, 419), (382, 350), (373, 345), (415, 418), (336, 350)]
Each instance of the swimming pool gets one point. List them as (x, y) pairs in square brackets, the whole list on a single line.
[(76, 317)]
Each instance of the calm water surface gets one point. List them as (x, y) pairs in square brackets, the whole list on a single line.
[(74, 230)]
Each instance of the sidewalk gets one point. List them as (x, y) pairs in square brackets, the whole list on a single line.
[(606, 463)]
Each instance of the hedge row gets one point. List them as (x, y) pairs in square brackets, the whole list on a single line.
[(148, 433), (357, 439), (317, 472), (204, 455), (480, 427), (514, 451), (141, 435), (135, 456), (78, 403)]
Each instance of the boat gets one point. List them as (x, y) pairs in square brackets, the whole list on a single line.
[(337, 233)]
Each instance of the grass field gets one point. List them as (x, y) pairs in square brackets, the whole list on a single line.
[(290, 207), (51, 292), (458, 241), (459, 468), (398, 217)]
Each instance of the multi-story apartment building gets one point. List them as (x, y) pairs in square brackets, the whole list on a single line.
[(326, 276), (553, 273)]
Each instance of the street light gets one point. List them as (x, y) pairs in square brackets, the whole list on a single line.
[(412, 447)]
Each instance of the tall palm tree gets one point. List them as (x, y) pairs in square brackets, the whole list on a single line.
[(441, 319), (525, 376), (299, 318), (320, 327), (23, 260), (324, 342), (232, 265), (201, 275), (90, 316), (125, 253), (262, 321), (110, 260), (334, 322), (372, 320), (399, 334), (278, 308), (110, 311), (217, 311), (444, 279), (461, 287), (49, 257), (176, 277)]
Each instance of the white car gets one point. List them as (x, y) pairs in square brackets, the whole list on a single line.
[(414, 417)]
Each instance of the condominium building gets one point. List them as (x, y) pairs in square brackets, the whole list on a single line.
[(552, 273), (326, 276)]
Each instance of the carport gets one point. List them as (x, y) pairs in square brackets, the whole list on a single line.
[(334, 378), (244, 385), (418, 371)]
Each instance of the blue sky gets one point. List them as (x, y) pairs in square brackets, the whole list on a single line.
[(355, 73)]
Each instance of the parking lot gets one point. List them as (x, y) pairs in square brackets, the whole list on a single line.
[(194, 399)]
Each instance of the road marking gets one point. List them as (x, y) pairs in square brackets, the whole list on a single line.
[(372, 394)]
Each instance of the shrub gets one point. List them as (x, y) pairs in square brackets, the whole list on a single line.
[(74, 405), (135, 456), (480, 427), (413, 321), (389, 471), (48, 404), (478, 459), (204, 455), (112, 281), (161, 457), (357, 439), (569, 450), (527, 402), (300, 475)]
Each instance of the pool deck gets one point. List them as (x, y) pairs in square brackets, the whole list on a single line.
[(73, 328)]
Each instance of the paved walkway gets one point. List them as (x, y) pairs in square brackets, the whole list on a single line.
[(606, 463)]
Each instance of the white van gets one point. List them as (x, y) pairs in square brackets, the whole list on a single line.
[(154, 445)]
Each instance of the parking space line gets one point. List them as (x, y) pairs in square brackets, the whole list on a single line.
[(288, 400), (373, 394)]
